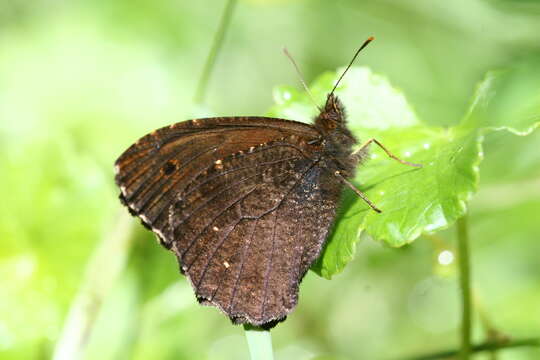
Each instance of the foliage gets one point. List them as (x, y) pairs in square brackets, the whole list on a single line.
[(82, 80)]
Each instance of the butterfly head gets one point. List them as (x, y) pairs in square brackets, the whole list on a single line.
[(332, 116)]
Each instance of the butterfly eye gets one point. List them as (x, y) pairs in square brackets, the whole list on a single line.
[(331, 124)]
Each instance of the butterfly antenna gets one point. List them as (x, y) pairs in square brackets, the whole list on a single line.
[(299, 73), (369, 39)]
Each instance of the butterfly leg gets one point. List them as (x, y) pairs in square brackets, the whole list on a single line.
[(358, 192), (366, 144)]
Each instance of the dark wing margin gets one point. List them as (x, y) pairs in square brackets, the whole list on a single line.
[(245, 224)]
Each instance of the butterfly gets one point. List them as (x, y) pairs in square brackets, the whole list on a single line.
[(245, 203)]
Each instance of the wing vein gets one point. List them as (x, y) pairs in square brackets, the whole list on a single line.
[(216, 249), (211, 222), (270, 262), (163, 180), (223, 190), (167, 192), (136, 172), (238, 277)]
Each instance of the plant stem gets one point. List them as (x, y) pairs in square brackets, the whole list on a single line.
[(104, 267), (487, 346), (491, 332), (465, 284), (259, 343), (214, 51)]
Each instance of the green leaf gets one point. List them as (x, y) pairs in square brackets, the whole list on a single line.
[(508, 99), (413, 201), (369, 100)]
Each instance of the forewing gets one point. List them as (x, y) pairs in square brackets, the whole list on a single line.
[(160, 166)]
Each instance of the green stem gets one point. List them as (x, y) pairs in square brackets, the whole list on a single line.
[(214, 51), (492, 334), (465, 284), (106, 264), (259, 343), (487, 346)]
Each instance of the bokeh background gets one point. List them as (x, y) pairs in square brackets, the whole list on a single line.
[(82, 80)]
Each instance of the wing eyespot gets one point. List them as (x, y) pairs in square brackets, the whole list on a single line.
[(169, 167)]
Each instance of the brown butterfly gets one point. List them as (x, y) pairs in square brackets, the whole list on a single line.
[(245, 203)]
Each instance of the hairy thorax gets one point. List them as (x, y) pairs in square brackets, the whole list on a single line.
[(338, 140)]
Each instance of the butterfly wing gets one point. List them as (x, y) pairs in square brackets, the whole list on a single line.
[(240, 203)]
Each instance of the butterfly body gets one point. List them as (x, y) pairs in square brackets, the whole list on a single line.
[(245, 203)]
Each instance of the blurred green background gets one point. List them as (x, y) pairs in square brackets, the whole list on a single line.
[(81, 80)]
